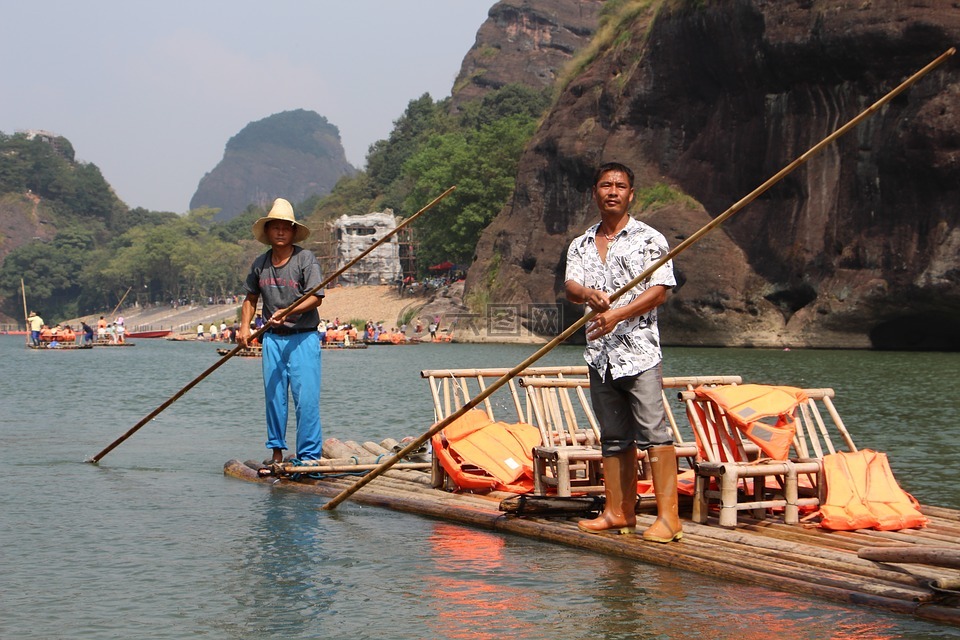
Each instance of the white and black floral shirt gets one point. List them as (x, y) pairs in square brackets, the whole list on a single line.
[(634, 346)]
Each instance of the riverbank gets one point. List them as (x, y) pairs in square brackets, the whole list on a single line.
[(377, 303)]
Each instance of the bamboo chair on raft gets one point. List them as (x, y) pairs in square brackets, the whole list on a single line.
[(569, 460), (453, 388), (756, 485)]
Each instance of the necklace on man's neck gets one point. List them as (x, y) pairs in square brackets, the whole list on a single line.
[(611, 237)]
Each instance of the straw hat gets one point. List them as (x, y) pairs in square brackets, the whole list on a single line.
[(281, 210)]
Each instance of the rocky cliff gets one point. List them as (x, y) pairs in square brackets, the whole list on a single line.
[(856, 248), (293, 155), (23, 218), (525, 42)]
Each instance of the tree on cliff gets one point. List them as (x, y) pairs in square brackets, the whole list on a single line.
[(482, 164), (49, 171)]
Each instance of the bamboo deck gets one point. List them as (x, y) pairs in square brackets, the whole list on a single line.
[(800, 559)]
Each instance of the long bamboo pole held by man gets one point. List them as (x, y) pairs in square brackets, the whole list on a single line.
[(483, 395), (283, 314), (26, 317)]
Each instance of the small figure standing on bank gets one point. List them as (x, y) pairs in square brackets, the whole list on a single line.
[(291, 345), (624, 356)]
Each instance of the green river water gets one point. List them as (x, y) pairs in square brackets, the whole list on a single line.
[(156, 542)]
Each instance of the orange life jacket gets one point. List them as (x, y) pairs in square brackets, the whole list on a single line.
[(686, 484), (481, 455), (863, 494), (765, 414)]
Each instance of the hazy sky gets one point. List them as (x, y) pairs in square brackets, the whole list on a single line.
[(151, 92)]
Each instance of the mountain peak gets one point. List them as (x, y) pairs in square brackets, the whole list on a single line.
[(292, 154)]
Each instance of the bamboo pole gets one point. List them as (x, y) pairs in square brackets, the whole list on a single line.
[(707, 228), (940, 512), (799, 569), (343, 468), (26, 318), (495, 372), (346, 460), (800, 558), (937, 556), (150, 416), (112, 313)]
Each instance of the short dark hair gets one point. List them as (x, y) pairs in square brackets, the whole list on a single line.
[(613, 166)]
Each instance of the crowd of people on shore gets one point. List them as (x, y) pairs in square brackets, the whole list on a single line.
[(336, 332), (218, 333), (374, 332)]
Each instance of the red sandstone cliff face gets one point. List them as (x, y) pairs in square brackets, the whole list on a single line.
[(525, 42), (860, 246)]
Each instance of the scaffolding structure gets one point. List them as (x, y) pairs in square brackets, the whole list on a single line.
[(327, 243)]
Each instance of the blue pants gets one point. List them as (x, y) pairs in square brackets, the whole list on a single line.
[(293, 362)]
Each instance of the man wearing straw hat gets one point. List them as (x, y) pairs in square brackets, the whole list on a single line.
[(36, 323), (291, 345), (623, 351)]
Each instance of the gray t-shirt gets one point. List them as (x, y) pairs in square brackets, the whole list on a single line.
[(279, 287)]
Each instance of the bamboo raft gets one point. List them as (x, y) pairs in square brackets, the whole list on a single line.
[(257, 352), (343, 345), (107, 343), (800, 559), (910, 571), (248, 352), (70, 346)]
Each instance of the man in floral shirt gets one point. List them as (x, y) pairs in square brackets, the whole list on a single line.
[(623, 351)]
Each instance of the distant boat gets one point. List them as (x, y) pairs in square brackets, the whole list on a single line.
[(248, 352), (257, 351), (64, 346), (162, 333), (107, 342)]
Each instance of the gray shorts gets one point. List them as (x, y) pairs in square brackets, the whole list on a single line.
[(630, 410)]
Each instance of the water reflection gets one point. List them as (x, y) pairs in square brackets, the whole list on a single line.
[(283, 568), (470, 600)]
